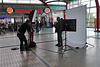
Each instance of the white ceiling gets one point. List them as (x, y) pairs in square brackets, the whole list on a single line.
[(22, 1), (32, 1)]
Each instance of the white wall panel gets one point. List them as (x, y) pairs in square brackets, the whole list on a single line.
[(78, 38)]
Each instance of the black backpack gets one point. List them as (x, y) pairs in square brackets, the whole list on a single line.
[(32, 44)]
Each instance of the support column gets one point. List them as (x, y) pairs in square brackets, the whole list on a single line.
[(98, 14), (2, 6), (65, 10), (23, 19), (51, 18)]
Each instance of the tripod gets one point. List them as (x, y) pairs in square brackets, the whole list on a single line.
[(66, 46), (88, 43)]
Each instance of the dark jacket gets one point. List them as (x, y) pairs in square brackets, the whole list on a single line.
[(58, 26), (23, 28)]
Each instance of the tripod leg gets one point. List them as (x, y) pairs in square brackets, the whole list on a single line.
[(90, 44), (72, 48), (60, 49)]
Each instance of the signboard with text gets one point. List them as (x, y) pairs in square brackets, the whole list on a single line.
[(26, 10)]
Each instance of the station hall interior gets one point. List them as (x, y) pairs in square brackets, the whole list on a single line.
[(81, 48)]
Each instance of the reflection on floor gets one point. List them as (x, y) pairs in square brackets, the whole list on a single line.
[(46, 54)]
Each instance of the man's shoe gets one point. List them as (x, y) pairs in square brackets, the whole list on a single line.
[(57, 45), (60, 45), (21, 50)]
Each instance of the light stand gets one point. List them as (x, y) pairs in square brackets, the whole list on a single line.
[(88, 43), (66, 49)]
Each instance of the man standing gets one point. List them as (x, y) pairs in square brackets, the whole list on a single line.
[(21, 31), (58, 27)]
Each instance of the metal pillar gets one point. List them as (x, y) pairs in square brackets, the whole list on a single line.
[(23, 19), (2, 6), (65, 10), (98, 14)]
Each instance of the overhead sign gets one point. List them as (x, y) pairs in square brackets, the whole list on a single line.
[(9, 10), (47, 10), (26, 10)]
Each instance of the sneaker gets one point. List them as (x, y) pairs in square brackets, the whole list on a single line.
[(28, 50)]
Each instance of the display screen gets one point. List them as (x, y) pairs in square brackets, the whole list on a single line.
[(69, 25)]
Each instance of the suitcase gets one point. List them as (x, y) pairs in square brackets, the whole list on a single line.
[(32, 44)]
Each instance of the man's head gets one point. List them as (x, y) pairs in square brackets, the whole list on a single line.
[(28, 22), (36, 18), (58, 18)]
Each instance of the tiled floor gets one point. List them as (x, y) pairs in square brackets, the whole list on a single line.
[(46, 54)]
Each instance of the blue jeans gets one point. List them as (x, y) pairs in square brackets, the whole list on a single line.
[(1, 30)]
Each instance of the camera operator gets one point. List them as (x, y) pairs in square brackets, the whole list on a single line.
[(58, 29), (20, 34)]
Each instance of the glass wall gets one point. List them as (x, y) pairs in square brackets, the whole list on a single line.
[(0, 1), (91, 9), (57, 14)]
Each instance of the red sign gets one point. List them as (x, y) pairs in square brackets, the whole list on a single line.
[(26, 10), (9, 10)]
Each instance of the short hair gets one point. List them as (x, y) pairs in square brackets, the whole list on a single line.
[(28, 21), (58, 18)]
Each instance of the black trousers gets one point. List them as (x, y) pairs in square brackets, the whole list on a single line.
[(59, 38), (22, 39)]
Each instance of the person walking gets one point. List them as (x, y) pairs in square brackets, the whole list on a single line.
[(37, 25)]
